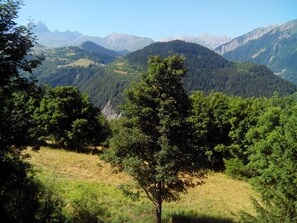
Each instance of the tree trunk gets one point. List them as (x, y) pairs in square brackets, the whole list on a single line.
[(159, 204), (159, 212)]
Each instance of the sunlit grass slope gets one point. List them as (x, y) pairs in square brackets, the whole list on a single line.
[(84, 176)]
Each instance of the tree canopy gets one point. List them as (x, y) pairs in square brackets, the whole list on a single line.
[(19, 192), (152, 143), (69, 118), (272, 161)]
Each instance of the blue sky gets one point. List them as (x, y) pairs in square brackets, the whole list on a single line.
[(158, 19)]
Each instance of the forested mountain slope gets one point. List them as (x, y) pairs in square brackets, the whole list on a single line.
[(207, 71)]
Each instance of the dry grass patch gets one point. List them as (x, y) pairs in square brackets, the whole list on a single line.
[(120, 72), (67, 164), (219, 196), (80, 62)]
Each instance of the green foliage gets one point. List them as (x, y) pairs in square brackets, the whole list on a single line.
[(51, 204), (18, 111), (256, 138), (273, 161), (155, 131), (210, 119), (18, 97), (244, 114), (86, 209), (220, 124), (19, 201), (67, 117)]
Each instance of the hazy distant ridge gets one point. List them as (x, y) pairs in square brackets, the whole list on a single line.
[(115, 41), (205, 39)]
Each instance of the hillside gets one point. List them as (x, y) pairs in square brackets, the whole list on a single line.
[(207, 71), (97, 49), (78, 176), (274, 46)]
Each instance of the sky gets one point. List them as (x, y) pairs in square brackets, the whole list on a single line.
[(158, 19)]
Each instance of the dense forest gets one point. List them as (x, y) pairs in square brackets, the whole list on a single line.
[(168, 139)]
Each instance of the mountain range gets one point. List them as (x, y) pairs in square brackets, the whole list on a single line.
[(274, 46), (117, 42), (104, 67), (114, 41)]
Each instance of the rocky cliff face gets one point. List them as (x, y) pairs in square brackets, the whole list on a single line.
[(239, 41), (273, 46), (55, 38), (110, 112)]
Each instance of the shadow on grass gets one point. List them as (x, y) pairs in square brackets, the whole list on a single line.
[(85, 150), (93, 151), (193, 218)]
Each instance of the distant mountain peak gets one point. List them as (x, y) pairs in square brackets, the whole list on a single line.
[(205, 39), (40, 27), (274, 46), (114, 41), (119, 42), (236, 42)]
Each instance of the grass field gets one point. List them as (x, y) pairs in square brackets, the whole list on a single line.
[(84, 177), (80, 62)]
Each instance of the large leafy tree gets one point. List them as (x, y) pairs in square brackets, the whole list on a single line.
[(18, 191), (69, 118), (153, 141), (15, 45), (273, 160)]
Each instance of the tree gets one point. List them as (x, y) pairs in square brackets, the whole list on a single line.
[(210, 118), (18, 190), (273, 160), (70, 119), (18, 201), (153, 141), (244, 114), (15, 45)]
